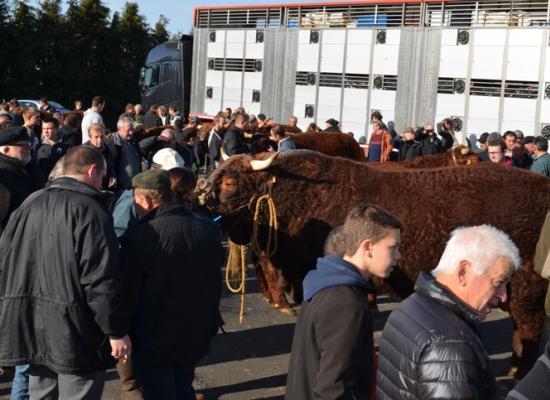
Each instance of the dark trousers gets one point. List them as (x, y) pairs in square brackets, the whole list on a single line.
[(172, 382), (45, 384)]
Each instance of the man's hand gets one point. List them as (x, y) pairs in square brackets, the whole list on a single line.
[(121, 347)]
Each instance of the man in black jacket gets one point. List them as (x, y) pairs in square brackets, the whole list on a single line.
[(233, 141), (171, 263), (332, 353), (61, 305), (127, 163), (15, 154), (50, 149), (430, 348), (108, 150), (215, 139), (429, 142), (407, 146), (333, 126)]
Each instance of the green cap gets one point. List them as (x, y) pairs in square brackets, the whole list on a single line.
[(152, 179)]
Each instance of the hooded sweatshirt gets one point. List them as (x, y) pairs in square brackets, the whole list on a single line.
[(332, 349), (332, 271)]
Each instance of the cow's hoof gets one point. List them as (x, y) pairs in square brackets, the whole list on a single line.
[(267, 300), (288, 311), (512, 372)]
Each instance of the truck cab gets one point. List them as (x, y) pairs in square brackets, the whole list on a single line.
[(165, 78)]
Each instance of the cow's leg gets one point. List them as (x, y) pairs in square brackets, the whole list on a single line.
[(259, 268), (528, 291), (277, 286), (273, 284)]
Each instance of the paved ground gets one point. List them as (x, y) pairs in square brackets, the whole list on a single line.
[(250, 361)]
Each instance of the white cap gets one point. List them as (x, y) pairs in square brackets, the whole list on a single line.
[(168, 158)]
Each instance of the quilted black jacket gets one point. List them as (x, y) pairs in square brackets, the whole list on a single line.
[(430, 349)]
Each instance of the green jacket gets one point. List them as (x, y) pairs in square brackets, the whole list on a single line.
[(542, 165)]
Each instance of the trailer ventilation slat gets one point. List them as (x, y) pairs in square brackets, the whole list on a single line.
[(356, 81), (467, 13), (521, 89), (485, 87), (389, 82), (234, 64), (487, 13), (330, 79), (445, 85)]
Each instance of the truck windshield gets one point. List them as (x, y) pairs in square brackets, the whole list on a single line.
[(150, 76)]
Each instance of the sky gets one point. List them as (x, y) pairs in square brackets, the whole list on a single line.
[(180, 12)]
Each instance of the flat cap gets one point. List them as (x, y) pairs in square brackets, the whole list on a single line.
[(152, 179), (15, 135), (195, 120)]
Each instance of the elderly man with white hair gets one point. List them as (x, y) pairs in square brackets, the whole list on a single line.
[(430, 348), (127, 162)]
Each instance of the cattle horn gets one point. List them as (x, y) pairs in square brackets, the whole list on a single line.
[(260, 165), (465, 151), (223, 154)]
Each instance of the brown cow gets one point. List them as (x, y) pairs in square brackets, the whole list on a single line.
[(331, 144), (459, 155), (312, 194), (270, 278)]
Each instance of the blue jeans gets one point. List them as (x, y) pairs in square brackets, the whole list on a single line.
[(165, 382), (20, 384)]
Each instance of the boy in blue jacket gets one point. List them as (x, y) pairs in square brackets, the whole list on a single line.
[(332, 350)]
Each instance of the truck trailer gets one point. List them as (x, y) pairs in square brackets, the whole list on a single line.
[(482, 63)]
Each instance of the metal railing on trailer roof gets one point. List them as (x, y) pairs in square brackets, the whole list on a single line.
[(384, 13)]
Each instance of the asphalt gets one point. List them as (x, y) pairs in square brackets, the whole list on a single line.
[(250, 360)]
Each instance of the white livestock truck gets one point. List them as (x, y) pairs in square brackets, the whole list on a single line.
[(483, 63)]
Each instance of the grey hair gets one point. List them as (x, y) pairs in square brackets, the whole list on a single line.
[(124, 120), (57, 170), (334, 244), (480, 245)]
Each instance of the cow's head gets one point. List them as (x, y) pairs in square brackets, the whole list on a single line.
[(231, 190)]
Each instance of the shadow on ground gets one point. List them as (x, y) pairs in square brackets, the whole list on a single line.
[(252, 343), (262, 383)]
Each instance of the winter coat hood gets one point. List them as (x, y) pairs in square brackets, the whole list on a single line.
[(332, 271)]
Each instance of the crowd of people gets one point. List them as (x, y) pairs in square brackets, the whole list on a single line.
[(512, 148), (96, 225), (90, 272)]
